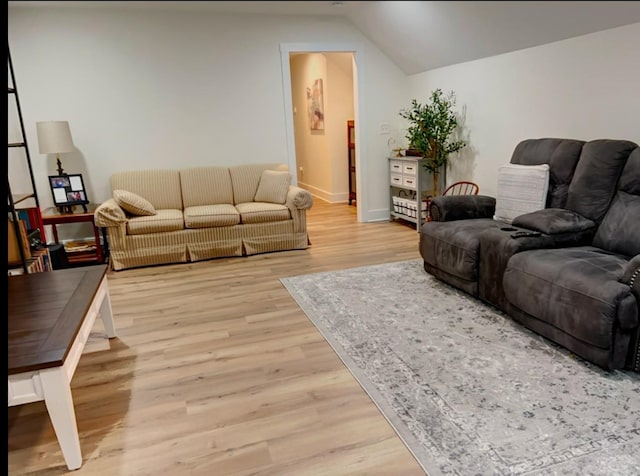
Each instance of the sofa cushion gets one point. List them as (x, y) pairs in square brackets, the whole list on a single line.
[(160, 187), (576, 290), (205, 216), (562, 156), (596, 176), (521, 189), (162, 221), (273, 187), (133, 203), (261, 212), (246, 178), (206, 186)]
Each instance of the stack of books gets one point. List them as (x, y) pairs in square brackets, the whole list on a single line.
[(39, 262), (80, 251)]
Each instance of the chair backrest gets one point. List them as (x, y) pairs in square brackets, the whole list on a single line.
[(462, 188)]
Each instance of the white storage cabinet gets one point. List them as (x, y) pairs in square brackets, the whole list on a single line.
[(408, 180)]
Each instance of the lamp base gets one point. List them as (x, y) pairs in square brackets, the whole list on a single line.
[(60, 169)]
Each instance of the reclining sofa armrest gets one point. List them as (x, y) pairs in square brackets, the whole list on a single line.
[(462, 207), (298, 198), (554, 221), (109, 214), (632, 276)]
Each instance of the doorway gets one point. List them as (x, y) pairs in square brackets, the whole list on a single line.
[(318, 153)]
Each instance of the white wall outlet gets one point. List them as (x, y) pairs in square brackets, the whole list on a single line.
[(384, 128)]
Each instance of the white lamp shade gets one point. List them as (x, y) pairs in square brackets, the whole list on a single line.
[(54, 137)]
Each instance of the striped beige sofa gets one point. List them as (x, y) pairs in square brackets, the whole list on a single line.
[(201, 213)]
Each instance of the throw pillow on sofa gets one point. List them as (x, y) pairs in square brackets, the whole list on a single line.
[(133, 203), (273, 187), (521, 189)]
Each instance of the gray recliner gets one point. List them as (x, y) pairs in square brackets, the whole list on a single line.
[(585, 238), (577, 296), (451, 252)]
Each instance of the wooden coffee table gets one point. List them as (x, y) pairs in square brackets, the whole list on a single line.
[(50, 317)]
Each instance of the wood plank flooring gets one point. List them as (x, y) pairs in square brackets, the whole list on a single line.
[(217, 371)]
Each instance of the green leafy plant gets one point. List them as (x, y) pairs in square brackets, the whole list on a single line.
[(430, 130)]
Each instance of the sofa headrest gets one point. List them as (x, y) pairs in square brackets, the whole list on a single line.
[(596, 177), (562, 156), (160, 187), (630, 178), (619, 231), (206, 186)]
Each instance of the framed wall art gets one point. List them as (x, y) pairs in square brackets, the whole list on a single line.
[(315, 102)]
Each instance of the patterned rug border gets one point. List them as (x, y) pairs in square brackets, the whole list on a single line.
[(410, 441)]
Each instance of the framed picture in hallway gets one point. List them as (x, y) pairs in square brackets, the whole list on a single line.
[(316, 106)]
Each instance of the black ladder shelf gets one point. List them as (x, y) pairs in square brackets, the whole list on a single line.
[(12, 199)]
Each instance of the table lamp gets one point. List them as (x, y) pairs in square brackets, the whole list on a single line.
[(54, 137)]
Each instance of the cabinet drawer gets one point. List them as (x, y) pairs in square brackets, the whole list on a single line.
[(409, 182), (396, 179), (396, 166), (409, 169)]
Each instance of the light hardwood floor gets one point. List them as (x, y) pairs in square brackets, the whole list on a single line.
[(216, 371)]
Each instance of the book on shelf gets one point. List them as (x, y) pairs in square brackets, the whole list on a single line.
[(13, 252), (15, 271), (43, 257), (34, 265)]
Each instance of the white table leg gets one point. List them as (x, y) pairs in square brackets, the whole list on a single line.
[(106, 313), (59, 402)]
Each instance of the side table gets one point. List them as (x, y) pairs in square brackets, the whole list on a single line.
[(54, 217)]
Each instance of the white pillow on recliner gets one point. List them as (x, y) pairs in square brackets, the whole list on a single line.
[(521, 189)]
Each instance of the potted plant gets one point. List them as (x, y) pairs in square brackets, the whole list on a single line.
[(430, 130)]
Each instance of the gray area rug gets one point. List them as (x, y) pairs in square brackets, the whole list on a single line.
[(468, 390)]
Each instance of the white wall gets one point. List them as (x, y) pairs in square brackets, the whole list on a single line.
[(164, 89), (582, 88), (322, 154), (168, 90)]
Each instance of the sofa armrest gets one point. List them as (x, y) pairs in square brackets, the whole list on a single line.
[(461, 207), (109, 214), (554, 221), (298, 198), (632, 276)]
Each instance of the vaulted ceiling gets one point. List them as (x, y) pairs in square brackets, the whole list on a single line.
[(420, 36)]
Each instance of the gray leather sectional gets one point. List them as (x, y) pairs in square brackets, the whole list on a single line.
[(574, 280)]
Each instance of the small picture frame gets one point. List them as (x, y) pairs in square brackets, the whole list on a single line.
[(68, 190)]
